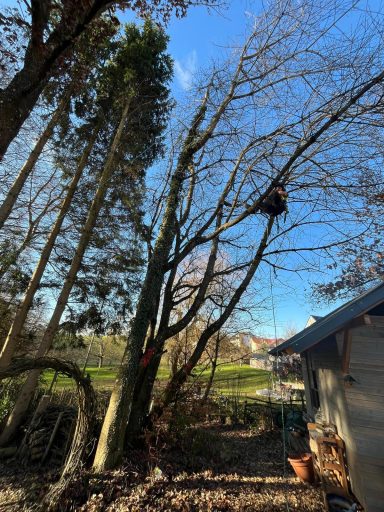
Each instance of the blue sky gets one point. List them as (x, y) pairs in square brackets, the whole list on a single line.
[(202, 36), (194, 42)]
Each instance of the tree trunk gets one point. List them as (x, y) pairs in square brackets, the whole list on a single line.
[(142, 396), (13, 194), (88, 352), (10, 343), (100, 357), (85, 237), (30, 385), (111, 442), (181, 376), (213, 369), (175, 358), (18, 99), (15, 107)]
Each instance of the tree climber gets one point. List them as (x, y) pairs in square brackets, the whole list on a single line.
[(274, 204)]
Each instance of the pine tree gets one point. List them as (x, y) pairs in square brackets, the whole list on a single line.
[(133, 97)]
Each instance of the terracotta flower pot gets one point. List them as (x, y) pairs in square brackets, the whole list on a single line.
[(303, 467)]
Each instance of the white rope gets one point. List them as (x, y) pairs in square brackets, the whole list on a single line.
[(281, 390)]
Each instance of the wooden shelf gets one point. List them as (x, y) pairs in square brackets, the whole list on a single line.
[(328, 453), (331, 463)]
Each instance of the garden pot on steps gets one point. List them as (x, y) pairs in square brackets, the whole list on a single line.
[(303, 467)]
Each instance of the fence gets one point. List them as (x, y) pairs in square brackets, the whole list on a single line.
[(268, 414)]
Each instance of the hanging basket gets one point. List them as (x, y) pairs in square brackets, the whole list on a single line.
[(303, 467)]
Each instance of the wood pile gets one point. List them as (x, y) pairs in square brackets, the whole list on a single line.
[(48, 439)]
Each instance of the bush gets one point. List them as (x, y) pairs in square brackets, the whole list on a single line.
[(9, 390)]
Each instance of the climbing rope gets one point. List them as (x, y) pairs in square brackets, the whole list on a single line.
[(281, 389)]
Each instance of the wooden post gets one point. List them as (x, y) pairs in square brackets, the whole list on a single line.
[(54, 431), (44, 401)]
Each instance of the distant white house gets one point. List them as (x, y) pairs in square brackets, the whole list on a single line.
[(254, 343), (241, 340), (257, 347), (312, 319)]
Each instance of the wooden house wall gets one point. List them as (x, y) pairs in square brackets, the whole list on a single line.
[(305, 369), (357, 410)]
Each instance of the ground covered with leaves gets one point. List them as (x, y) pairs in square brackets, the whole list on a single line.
[(206, 468)]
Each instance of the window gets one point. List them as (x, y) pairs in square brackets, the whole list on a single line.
[(314, 389), (311, 384)]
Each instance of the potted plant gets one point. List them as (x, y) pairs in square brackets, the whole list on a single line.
[(303, 466)]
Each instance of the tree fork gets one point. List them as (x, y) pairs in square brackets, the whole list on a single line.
[(181, 376), (111, 442), (147, 374)]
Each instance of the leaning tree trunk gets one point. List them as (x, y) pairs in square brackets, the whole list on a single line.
[(10, 343), (111, 442), (85, 417), (18, 99), (15, 106), (25, 171), (29, 387), (213, 369)]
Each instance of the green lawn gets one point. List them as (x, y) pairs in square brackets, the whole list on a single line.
[(234, 379), (229, 378), (101, 378)]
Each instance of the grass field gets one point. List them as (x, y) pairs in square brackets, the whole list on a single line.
[(232, 379), (229, 378)]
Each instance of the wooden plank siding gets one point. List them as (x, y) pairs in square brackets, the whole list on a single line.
[(357, 410), (308, 398)]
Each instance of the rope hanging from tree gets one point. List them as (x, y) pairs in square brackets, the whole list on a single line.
[(281, 390)]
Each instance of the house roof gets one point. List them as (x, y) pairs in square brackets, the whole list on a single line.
[(332, 322), (265, 341), (315, 317)]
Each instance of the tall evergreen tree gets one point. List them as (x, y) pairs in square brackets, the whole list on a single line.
[(51, 31), (132, 97)]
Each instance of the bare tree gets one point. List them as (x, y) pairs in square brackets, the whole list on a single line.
[(286, 112), (14, 191)]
